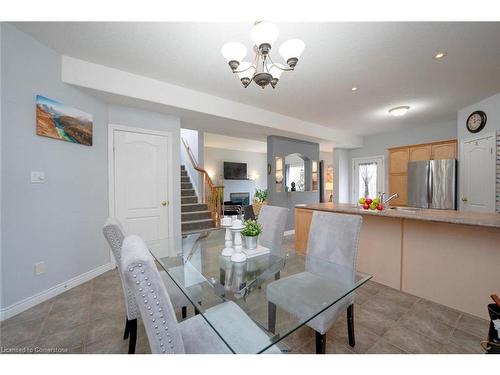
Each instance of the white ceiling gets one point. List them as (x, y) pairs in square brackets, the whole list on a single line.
[(391, 63)]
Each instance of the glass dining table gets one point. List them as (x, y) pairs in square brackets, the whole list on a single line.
[(194, 262)]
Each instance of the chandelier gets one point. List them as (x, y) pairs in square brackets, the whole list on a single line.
[(263, 70)]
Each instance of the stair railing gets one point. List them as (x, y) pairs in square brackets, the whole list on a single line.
[(212, 195)]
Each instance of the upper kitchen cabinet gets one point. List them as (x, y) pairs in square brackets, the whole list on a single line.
[(398, 160), (444, 150), (420, 152)]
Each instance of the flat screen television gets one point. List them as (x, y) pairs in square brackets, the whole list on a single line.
[(235, 171)]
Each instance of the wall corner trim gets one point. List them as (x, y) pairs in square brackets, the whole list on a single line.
[(38, 298)]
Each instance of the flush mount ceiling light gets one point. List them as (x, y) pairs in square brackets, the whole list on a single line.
[(399, 111), (263, 70), (354, 89), (440, 55)]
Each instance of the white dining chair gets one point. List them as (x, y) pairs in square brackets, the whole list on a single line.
[(333, 239), (193, 335), (113, 232)]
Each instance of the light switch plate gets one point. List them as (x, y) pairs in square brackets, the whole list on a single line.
[(37, 177), (39, 268)]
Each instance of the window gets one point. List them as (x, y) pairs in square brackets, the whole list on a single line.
[(368, 177)]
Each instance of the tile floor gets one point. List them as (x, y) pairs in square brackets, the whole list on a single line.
[(90, 319)]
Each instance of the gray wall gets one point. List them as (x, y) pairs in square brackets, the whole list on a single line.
[(378, 144), (256, 165), (58, 222), (156, 121), (281, 146), (491, 106)]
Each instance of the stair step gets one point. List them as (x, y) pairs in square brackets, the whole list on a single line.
[(197, 225), (195, 215), (189, 200), (188, 193), (184, 174), (186, 185), (187, 232), (193, 207), (183, 167), (185, 179)]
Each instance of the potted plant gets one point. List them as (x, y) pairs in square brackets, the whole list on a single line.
[(251, 232), (260, 198)]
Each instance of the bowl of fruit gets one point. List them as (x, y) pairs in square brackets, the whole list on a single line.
[(371, 204)]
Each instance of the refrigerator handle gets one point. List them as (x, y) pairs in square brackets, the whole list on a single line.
[(430, 183)]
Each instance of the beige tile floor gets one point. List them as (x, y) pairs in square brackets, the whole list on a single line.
[(90, 319)]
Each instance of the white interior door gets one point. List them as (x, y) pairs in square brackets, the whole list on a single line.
[(141, 170), (478, 179)]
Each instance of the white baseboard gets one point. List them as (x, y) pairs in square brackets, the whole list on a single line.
[(289, 232), (29, 302)]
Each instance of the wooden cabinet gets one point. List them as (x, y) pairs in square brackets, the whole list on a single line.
[(446, 150), (420, 152), (302, 224), (398, 164), (398, 160), (399, 184)]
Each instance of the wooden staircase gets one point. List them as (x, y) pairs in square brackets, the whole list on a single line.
[(195, 217)]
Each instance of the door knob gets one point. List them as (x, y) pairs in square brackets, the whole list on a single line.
[(164, 203), (464, 199)]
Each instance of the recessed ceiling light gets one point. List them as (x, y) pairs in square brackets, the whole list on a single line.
[(399, 111), (440, 55), (354, 88)]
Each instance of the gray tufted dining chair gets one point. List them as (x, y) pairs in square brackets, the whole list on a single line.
[(333, 238), (273, 220), (193, 335), (113, 232)]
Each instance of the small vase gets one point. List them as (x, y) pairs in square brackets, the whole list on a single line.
[(251, 242)]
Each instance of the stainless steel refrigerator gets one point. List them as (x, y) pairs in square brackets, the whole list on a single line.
[(432, 184)]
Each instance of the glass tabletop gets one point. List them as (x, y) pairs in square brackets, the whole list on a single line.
[(236, 298)]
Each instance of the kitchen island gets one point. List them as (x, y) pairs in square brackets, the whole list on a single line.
[(449, 257)]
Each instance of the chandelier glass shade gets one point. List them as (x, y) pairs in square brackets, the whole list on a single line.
[(263, 70)]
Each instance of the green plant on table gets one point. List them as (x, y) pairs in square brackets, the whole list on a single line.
[(252, 228), (260, 195)]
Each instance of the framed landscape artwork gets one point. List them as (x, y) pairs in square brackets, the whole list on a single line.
[(58, 121)]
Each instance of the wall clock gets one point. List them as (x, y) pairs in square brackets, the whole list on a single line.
[(476, 121)]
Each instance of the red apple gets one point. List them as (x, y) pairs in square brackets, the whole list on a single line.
[(366, 206), (380, 207), (369, 201)]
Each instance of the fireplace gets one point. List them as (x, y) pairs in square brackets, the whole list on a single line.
[(240, 198)]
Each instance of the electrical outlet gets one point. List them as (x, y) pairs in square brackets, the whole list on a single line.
[(39, 268)]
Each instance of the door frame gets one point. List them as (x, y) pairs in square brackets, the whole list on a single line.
[(461, 162), (376, 158), (111, 171)]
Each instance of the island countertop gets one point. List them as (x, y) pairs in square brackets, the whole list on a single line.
[(444, 216)]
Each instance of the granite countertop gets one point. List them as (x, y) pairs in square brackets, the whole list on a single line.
[(444, 216)]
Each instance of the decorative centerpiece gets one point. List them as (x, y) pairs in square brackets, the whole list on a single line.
[(237, 228), (228, 250), (251, 233), (260, 198)]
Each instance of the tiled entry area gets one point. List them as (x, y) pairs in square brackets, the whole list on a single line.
[(90, 319)]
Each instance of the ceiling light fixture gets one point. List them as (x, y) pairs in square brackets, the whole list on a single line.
[(354, 89), (399, 111), (263, 70), (440, 55)]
